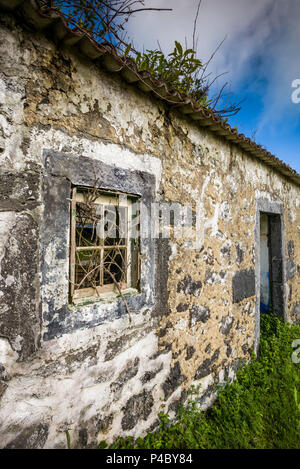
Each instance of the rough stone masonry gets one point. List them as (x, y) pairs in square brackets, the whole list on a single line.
[(85, 367)]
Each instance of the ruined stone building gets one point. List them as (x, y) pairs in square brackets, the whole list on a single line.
[(82, 355)]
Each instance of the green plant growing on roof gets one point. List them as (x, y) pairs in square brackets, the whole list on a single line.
[(177, 69), (181, 70)]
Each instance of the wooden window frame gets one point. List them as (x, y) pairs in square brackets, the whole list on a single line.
[(103, 291)]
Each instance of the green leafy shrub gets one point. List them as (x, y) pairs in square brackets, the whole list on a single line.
[(179, 69), (260, 409)]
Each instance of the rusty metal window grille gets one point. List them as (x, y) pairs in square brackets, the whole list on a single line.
[(104, 244)]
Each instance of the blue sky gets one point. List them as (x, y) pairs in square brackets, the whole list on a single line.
[(260, 55)]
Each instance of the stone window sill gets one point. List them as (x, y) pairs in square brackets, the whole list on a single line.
[(106, 297)]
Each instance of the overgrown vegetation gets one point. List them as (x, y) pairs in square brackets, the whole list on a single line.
[(260, 409), (106, 23), (178, 69)]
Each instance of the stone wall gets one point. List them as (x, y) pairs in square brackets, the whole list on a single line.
[(87, 368)]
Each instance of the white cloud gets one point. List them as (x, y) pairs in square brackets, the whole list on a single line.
[(263, 38)]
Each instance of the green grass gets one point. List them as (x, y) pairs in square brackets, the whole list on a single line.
[(260, 409)]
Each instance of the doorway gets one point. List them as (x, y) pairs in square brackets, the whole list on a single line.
[(271, 265)]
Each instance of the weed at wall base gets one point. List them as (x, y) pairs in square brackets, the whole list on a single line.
[(260, 409)]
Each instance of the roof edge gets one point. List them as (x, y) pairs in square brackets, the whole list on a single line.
[(105, 55)]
